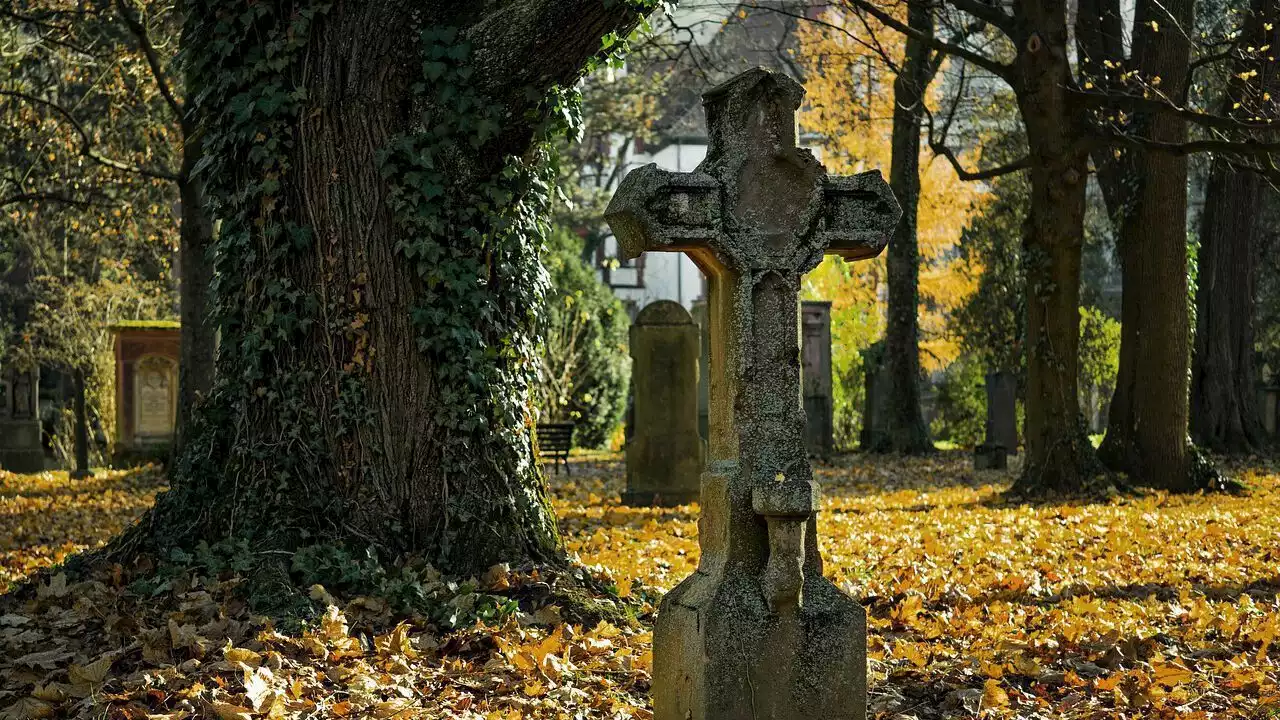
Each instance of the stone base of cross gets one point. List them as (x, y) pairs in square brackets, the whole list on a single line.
[(757, 631)]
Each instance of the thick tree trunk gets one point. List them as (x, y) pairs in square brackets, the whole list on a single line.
[(376, 279), (1058, 455), (1224, 411), (1147, 425), (199, 334), (905, 430)]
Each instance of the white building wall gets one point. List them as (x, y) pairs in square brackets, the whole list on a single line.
[(655, 276)]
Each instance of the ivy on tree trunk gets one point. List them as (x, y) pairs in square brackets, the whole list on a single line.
[(380, 177)]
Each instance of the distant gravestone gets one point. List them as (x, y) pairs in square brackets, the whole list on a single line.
[(20, 448), (815, 361), (146, 355), (757, 631), (1269, 407), (664, 454), (703, 320), (875, 406), (1002, 411)]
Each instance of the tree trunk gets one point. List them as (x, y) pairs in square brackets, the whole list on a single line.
[(199, 335), (1058, 454), (376, 273), (1147, 426), (82, 429), (1224, 412), (906, 431)]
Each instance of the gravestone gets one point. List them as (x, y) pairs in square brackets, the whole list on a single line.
[(1002, 411), (875, 406), (664, 454), (1269, 407), (20, 448), (701, 317), (815, 361), (756, 631), (146, 355)]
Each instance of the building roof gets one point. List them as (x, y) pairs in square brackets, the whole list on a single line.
[(145, 325)]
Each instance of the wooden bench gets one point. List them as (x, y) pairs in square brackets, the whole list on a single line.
[(554, 441)]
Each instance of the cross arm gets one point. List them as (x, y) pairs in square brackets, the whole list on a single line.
[(859, 214), (659, 210)]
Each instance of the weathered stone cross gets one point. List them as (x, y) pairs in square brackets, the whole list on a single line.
[(757, 631)]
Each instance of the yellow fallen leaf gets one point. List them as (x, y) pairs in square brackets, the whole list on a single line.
[(92, 674), (390, 708), (242, 655), (226, 711), (534, 689), (994, 696)]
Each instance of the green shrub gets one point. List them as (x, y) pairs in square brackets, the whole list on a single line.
[(961, 405), (583, 366), (1099, 359)]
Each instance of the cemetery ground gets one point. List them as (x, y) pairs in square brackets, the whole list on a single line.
[(1140, 605)]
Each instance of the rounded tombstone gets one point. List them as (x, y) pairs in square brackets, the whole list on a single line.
[(664, 454)]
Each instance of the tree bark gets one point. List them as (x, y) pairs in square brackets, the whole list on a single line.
[(198, 335), (1224, 411), (365, 394), (1147, 424), (1058, 456), (905, 430), (82, 429)]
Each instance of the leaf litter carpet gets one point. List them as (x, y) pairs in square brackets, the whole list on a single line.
[(1152, 606)]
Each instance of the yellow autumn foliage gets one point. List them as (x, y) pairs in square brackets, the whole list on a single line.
[(1151, 606), (850, 107)]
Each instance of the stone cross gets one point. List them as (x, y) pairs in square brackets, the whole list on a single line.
[(757, 631)]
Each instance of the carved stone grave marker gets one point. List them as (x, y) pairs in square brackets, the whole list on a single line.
[(815, 359), (664, 452), (21, 449), (147, 356), (757, 631)]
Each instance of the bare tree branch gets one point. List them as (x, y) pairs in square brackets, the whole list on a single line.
[(86, 142), (61, 198), (153, 60), (998, 69)]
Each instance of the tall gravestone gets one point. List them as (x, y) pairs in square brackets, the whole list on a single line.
[(756, 631), (815, 360), (664, 453), (701, 317), (1002, 411), (20, 448), (875, 406)]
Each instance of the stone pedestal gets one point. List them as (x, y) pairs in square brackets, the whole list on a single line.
[(664, 454), (815, 363), (21, 449), (988, 456), (757, 631)]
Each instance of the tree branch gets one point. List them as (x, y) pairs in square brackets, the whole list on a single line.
[(26, 197), (1205, 120), (989, 14), (86, 142), (998, 69), (153, 60)]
